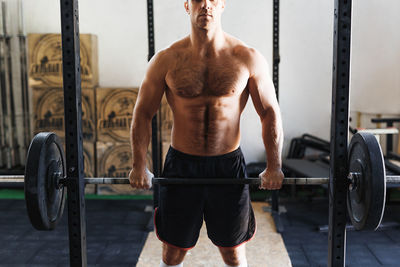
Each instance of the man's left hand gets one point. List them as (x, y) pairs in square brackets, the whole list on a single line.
[(271, 179)]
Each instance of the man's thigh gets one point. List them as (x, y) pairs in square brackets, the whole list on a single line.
[(179, 216), (229, 216)]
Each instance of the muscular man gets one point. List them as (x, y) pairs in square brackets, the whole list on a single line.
[(207, 78)]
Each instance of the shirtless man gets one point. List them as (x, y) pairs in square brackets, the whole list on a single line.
[(207, 78)]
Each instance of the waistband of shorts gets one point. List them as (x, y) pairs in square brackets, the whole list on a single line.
[(174, 152)]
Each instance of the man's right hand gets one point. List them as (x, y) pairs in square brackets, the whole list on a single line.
[(140, 179), (271, 179)]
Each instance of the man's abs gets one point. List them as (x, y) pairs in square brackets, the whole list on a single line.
[(206, 127)]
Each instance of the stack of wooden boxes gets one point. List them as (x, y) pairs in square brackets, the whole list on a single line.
[(114, 116), (46, 83), (106, 112)]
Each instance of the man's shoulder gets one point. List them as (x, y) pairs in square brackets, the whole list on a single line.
[(174, 48), (250, 56), (241, 49), (180, 44)]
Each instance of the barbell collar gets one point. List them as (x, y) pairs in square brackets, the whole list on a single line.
[(392, 179), (11, 179)]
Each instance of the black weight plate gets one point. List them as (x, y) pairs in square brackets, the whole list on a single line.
[(44, 200), (366, 203)]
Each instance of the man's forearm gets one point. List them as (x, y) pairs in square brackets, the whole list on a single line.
[(140, 139), (272, 134)]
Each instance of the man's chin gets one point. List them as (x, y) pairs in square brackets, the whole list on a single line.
[(204, 26)]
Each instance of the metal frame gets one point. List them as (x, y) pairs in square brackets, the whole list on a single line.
[(156, 121), (275, 79), (339, 133), (276, 56), (73, 131), (73, 127), (24, 80), (9, 128), (339, 126)]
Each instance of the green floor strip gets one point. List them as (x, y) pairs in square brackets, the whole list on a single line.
[(140, 197), (12, 194), (19, 194)]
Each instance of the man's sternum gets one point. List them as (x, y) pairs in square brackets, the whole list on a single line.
[(206, 126)]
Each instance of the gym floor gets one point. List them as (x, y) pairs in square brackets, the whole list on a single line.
[(309, 247), (116, 232), (118, 229)]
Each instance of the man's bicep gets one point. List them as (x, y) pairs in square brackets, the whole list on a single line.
[(149, 98), (152, 89), (261, 87)]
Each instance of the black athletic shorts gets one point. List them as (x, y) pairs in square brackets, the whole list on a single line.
[(226, 209)]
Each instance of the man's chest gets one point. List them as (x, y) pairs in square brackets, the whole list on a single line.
[(191, 78)]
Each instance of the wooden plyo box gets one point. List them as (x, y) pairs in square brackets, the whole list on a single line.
[(45, 64), (89, 157), (114, 113), (48, 112), (115, 160)]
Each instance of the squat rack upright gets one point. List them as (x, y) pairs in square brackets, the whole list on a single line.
[(73, 129), (339, 125)]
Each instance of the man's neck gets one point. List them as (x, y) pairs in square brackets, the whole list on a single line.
[(207, 42)]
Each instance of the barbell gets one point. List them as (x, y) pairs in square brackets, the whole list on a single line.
[(45, 181)]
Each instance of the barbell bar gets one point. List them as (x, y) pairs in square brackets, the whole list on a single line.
[(19, 179), (45, 181)]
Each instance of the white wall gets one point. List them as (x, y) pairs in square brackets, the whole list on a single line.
[(306, 52), (306, 67), (376, 57)]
